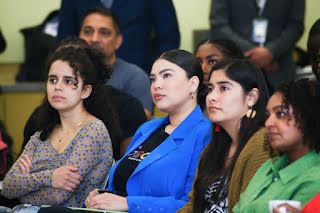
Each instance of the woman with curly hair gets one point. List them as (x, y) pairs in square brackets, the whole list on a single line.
[(72, 153), (292, 126)]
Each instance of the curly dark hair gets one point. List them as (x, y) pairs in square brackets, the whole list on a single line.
[(212, 164), (88, 64), (304, 98)]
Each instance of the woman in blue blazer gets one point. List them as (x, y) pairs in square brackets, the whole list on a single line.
[(158, 169)]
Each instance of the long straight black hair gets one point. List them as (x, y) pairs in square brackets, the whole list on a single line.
[(212, 165)]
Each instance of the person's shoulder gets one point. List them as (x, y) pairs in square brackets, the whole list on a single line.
[(260, 133), (265, 167), (95, 130), (316, 165), (198, 116), (204, 125), (258, 138), (256, 146), (95, 125), (37, 135), (311, 173), (35, 138), (205, 121)]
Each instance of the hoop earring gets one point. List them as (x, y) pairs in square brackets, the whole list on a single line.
[(251, 113)]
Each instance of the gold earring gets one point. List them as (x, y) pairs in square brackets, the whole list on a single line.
[(251, 113)]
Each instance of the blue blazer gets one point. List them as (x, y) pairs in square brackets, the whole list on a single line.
[(162, 181), (139, 19)]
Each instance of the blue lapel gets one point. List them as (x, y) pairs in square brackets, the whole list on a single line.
[(146, 131), (170, 143)]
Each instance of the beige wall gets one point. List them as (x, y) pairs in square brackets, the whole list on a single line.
[(17, 14), (312, 14)]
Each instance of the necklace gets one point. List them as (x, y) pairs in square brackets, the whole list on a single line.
[(68, 132)]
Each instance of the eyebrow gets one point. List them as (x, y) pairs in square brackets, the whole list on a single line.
[(224, 82), (98, 28), (221, 82), (210, 56), (275, 108), (86, 27), (51, 76), (162, 71), (65, 76)]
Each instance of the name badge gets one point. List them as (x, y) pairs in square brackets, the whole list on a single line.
[(259, 32)]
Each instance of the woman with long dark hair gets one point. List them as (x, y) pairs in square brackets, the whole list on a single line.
[(236, 100)]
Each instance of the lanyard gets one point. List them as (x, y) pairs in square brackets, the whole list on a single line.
[(261, 4)]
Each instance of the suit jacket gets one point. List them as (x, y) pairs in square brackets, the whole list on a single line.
[(233, 19), (163, 179), (139, 20)]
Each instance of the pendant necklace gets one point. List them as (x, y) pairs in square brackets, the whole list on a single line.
[(77, 126)]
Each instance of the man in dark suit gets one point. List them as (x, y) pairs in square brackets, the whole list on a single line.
[(266, 31), (148, 27)]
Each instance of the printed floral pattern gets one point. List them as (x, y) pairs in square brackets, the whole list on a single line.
[(90, 151)]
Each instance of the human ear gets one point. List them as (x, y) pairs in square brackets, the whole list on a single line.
[(86, 91), (119, 41), (252, 97), (194, 84)]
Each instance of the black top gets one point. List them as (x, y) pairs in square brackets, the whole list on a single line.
[(128, 165), (128, 108)]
